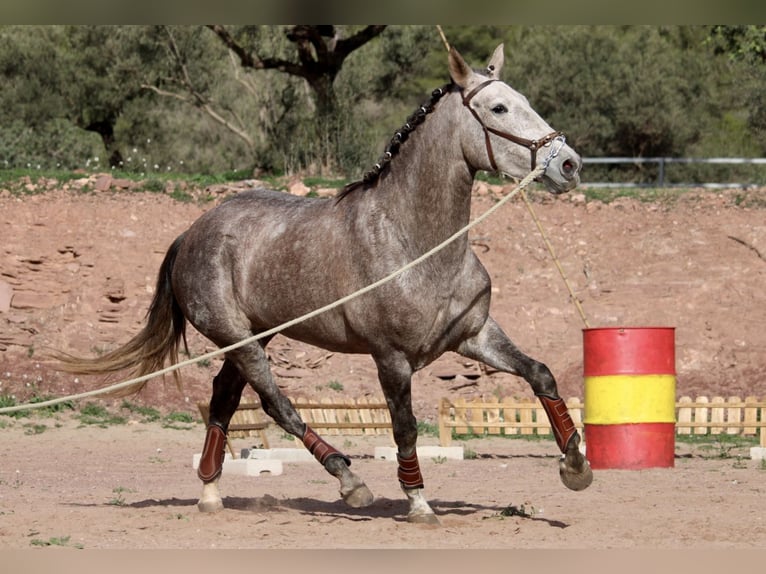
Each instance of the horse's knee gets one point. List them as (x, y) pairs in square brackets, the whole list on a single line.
[(542, 380)]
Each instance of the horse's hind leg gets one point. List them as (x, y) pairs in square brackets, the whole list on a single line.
[(227, 391), (253, 363), (396, 379), (492, 346)]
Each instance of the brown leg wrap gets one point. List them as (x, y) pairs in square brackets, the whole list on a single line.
[(561, 422), (409, 471), (321, 449), (211, 461)]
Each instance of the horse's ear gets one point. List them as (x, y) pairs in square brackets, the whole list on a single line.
[(496, 63), (458, 69)]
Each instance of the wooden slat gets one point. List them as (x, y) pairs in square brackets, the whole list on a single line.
[(701, 414), (461, 415), (381, 415), (541, 417), (717, 415), (734, 414), (445, 414), (525, 416), (354, 416), (750, 415), (509, 414), (493, 417), (330, 417), (684, 415), (691, 416)]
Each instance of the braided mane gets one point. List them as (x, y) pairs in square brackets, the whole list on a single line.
[(401, 135)]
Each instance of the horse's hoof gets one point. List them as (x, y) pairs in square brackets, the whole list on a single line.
[(210, 505), (360, 497), (577, 480), (423, 518)]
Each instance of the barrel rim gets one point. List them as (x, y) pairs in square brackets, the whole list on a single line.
[(635, 328)]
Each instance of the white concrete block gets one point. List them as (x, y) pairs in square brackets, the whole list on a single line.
[(245, 466), (283, 454), (758, 453), (424, 451)]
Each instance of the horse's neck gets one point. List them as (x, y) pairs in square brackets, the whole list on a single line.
[(429, 184)]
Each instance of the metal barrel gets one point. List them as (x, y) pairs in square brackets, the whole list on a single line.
[(630, 394)]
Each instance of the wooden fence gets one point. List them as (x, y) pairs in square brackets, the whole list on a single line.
[(344, 416), (511, 416)]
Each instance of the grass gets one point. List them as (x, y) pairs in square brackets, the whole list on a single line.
[(178, 421), (664, 196), (427, 429), (331, 183), (93, 414), (12, 175), (177, 185), (527, 437), (119, 498), (720, 446), (148, 414), (32, 429), (51, 410), (97, 415), (335, 385), (55, 541), (15, 179)]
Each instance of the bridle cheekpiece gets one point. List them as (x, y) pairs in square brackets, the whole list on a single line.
[(531, 145)]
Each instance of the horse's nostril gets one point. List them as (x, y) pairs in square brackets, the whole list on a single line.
[(568, 168)]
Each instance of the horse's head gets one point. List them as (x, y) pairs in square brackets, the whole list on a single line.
[(503, 133)]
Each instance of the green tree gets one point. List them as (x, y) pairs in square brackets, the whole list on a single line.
[(315, 54), (742, 42), (83, 75), (628, 91), (319, 54), (745, 46), (106, 67)]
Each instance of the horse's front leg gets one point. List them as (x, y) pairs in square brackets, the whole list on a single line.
[(492, 347), (353, 490), (395, 379)]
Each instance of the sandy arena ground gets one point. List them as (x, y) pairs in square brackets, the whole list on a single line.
[(78, 270)]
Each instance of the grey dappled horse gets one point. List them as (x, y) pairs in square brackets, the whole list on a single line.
[(263, 258)]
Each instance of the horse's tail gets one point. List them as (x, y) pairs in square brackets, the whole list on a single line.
[(150, 348)]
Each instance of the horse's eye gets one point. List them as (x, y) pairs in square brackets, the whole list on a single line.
[(499, 109)]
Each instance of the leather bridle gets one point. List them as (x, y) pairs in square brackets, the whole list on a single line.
[(531, 145)]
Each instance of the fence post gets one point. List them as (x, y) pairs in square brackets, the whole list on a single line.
[(445, 433)]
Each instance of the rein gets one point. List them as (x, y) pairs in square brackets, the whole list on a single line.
[(531, 145)]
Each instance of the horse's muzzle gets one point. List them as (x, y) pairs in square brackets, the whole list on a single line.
[(563, 173)]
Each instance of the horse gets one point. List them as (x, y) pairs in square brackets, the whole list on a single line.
[(264, 257)]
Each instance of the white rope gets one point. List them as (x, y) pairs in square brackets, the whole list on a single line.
[(537, 172)]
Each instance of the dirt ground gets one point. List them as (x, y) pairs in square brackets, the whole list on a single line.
[(134, 487), (77, 271)]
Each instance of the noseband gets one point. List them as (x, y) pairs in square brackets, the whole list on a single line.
[(531, 145)]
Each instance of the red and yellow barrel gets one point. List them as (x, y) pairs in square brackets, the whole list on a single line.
[(630, 396)]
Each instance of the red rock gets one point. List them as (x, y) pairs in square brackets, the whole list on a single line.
[(103, 183), (6, 294)]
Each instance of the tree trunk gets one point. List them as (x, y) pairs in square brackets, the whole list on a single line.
[(105, 129)]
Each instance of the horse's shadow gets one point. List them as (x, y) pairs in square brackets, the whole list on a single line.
[(382, 507)]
